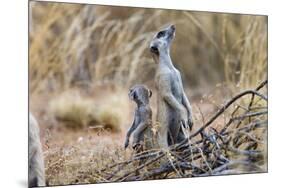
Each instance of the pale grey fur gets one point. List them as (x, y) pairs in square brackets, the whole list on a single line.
[(141, 126), (36, 170), (173, 107)]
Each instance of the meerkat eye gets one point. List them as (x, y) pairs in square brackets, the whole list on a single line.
[(160, 34), (135, 96)]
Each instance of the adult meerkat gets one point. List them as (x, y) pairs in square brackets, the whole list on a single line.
[(36, 170), (173, 107), (142, 124)]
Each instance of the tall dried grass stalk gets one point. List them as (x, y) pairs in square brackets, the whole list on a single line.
[(81, 44)]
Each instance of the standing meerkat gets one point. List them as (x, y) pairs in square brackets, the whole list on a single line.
[(142, 124), (173, 107), (36, 170)]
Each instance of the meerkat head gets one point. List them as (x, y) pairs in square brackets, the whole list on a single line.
[(140, 94), (162, 40)]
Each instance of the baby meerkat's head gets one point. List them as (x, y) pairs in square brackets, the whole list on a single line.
[(140, 94), (162, 40)]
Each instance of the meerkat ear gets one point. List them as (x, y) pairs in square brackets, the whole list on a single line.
[(150, 93)]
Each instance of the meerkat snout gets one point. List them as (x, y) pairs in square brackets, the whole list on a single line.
[(173, 27), (172, 30)]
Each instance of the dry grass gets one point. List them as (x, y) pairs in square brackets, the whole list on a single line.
[(243, 53), (245, 59), (67, 163), (77, 111), (85, 44)]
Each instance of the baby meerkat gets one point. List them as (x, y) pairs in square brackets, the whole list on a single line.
[(142, 124)]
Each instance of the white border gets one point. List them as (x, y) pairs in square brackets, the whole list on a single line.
[(14, 93)]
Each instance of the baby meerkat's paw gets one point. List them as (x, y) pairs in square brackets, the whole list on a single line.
[(190, 122), (136, 147), (126, 143)]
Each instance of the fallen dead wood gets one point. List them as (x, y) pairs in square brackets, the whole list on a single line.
[(239, 146)]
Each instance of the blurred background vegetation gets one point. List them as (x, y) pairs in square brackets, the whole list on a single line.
[(93, 47), (87, 50), (84, 58), (73, 44)]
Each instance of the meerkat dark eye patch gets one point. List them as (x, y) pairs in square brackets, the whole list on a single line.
[(135, 96), (154, 50), (161, 34), (132, 94)]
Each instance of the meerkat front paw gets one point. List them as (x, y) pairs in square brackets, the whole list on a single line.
[(137, 146), (183, 117), (190, 122), (126, 143)]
